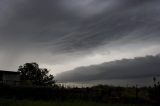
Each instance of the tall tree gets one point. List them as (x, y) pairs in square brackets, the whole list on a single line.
[(37, 76)]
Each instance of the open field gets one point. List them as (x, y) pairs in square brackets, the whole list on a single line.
[(13, 102)]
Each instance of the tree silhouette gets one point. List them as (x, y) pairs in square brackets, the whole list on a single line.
[(37, 76)]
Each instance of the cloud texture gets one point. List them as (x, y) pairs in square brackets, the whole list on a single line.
[(126, 69), (59, 33)]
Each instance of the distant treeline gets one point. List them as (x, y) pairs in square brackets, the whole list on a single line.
[(100, 93)]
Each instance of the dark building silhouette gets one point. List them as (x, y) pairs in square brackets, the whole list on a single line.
[(9, 77)]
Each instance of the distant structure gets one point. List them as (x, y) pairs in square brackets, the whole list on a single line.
[(9, 78)]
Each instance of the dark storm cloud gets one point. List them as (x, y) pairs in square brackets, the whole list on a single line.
[(126, 17), (56, 28), (36, 21), (140, 67), (73, 29)]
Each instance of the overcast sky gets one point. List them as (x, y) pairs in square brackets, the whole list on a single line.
[(64, 34)]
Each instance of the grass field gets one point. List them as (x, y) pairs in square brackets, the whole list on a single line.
[(13, 102)]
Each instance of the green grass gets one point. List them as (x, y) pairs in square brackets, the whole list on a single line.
[(13, 102)]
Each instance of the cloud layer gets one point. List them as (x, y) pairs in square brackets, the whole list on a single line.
[(61, 32), (140, 67)]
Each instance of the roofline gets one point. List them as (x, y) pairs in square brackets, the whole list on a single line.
[(3, 71)]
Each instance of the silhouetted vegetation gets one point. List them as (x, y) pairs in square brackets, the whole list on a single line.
[(99, 94), (154, 93), (31, 73)]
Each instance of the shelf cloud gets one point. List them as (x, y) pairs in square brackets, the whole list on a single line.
[(140, 67)]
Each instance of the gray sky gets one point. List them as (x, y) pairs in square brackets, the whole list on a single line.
[(64, 34)]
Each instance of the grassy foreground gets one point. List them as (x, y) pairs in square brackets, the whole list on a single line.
[(13, 102)]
